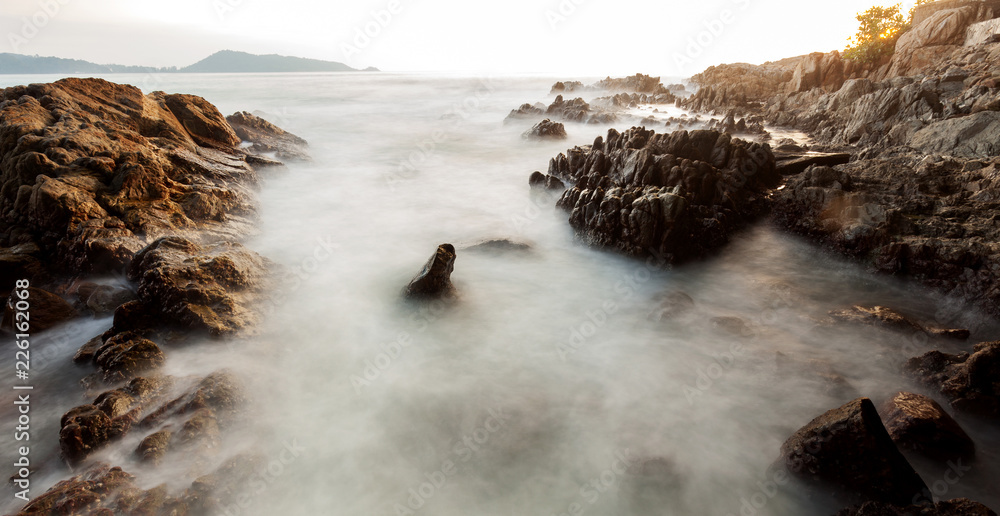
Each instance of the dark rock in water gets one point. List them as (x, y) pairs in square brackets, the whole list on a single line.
[(955, 507), (215, 288), (540, 180), (547, 129), (267, 137), (499, 245), (970, 382), (791, 164), (848, 452), (46, 310), (677, 197), (434, 281), (576, 110), (918, 423)]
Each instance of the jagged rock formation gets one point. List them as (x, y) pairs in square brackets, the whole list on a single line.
[(678, 196)]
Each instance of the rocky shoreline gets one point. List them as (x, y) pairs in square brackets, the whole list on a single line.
[(100, 180), (900, 174)]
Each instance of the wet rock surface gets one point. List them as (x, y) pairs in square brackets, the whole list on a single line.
[(848, 453), (971, 382), (678, 196), (213, 288), (918, 423)]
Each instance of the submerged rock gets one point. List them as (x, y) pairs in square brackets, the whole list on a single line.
[(500, 245), (848, 452), (434, 280), (918, 423)]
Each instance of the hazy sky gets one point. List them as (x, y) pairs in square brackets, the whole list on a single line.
[(570, 37)]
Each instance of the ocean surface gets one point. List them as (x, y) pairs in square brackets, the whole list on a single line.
[(553, 387)]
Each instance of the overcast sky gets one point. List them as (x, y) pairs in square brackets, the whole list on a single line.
[(571, 37)]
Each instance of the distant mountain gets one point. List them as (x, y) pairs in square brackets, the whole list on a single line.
[(229, 61), (226, 61), (22, 64)]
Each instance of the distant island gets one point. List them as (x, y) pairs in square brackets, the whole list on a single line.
[(225, 61)]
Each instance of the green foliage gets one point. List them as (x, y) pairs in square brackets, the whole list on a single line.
[(878, 31)]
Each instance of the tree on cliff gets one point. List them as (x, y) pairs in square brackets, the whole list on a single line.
[(876, 38)]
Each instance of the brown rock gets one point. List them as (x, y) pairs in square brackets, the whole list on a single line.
[(848, 452), (154, 446), (918, 423), (127, 355), (214, 288)]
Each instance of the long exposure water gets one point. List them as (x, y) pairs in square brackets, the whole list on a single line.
[(553, 386)]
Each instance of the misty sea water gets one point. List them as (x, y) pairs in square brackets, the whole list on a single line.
[(552, 387)]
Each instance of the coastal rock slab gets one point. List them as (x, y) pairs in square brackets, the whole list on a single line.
[(267, 137)]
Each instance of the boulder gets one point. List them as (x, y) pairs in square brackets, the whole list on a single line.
[(970, 382), (215, 288), (847, 452), (676, 197), (791, 164), (918, 423), (434, 280), (547, 129), (154, 446), (499, 245), (45, 310)]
